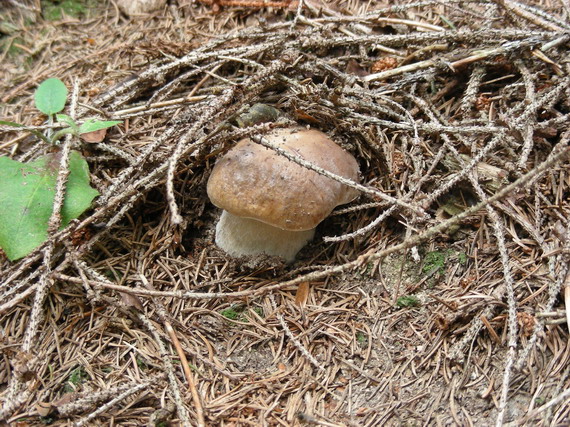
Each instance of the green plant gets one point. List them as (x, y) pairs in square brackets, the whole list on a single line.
[(433, 262), (258, 311), (232, 313), (28, 190), (55, 10), (407, 301), (50, 98), (76, 377), (27, 195), (47, 420), (141, 363), (362, 338), (238, 312)]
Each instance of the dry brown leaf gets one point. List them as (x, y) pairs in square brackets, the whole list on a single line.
[(302, 294), (64, 400), (95, 136), (43, 408), (131, 300)]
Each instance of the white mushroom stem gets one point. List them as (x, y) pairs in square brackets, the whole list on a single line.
[(244, 236)]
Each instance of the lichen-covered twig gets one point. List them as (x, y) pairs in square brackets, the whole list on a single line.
[(185, 366)]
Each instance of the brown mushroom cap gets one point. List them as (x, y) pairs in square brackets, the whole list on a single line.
[(253, 181)]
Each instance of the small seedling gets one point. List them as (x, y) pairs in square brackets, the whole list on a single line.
[(407, 301), (236, 312), (50, 98), (232, 313), (433, 262), (361, 338), (28, 190), (76, 377)]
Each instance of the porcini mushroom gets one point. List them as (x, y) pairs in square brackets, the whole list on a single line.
[(139, 7), (271, 204)]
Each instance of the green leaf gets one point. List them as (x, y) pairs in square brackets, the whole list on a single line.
[(407, 301), (33, 131), (433, 262), (64, 118), (13, 124), (26, 200), (94, 125), (50, 96)]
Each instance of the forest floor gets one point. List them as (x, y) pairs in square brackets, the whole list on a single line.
[(436, 298)]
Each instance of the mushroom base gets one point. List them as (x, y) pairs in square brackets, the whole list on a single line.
[(244, 236)]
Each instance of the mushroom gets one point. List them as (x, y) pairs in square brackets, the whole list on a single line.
[(271, 204), (139, 7)]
